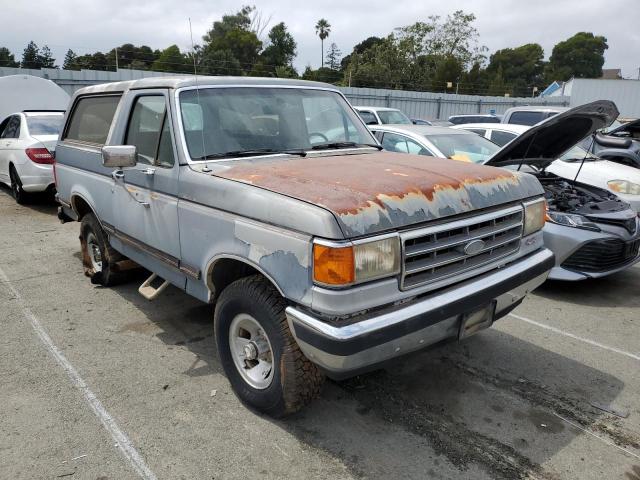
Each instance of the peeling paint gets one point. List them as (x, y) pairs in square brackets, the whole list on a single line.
[(380, 191)]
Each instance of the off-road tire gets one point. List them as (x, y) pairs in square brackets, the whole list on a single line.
[(21, 197), (110, 274), (296, 380)]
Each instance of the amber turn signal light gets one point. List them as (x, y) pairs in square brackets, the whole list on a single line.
[(333, 265)]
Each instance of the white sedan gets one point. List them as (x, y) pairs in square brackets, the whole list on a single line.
[(27, 145), (622, 180)]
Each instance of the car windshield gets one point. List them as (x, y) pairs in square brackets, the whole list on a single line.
[(221, 122), (464, 147), (44, 124), (577, 154), (395, 117)]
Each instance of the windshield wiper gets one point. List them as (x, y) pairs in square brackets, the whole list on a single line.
[(250, 153), (327, 146)]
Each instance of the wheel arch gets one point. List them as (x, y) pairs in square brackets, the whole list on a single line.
[(224, 269)]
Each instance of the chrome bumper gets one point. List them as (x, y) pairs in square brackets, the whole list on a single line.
[(364, 342)]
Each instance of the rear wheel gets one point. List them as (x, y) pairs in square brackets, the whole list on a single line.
[(259, 355), (18, 193), (98, 257)]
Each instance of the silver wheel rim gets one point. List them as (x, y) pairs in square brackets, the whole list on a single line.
[(251, 351), (94, 252)]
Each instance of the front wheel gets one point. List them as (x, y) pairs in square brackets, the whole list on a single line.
[(259, 355)]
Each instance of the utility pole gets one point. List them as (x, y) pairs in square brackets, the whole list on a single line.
[(116, 59)]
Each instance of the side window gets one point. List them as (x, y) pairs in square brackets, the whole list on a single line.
[(399, 143), (148, 130), (368, 118), (526, 118), (91, 119), (479, 131), (501, 138), (12, 130)]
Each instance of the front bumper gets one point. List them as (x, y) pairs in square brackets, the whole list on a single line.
[(564, 241), (371, 339)]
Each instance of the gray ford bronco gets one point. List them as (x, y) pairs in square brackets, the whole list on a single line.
[(271, 200)]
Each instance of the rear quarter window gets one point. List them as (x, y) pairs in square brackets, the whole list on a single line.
[(91, 119)]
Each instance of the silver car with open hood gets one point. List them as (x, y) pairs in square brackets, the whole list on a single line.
[(591, 231)]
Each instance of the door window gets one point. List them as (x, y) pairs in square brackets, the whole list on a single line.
[(12, 130), (501, 138), (149, 131), (368, 118), (91, 119), (399, 143)]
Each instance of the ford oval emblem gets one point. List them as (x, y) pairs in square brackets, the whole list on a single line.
[(474, 247)]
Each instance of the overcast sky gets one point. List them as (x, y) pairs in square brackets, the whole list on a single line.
[(87, 26)]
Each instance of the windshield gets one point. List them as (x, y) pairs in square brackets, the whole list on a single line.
[(465, 147), (44, 124), (577, 154), (395, 117), (218, 121)]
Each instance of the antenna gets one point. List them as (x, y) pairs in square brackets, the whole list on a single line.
[(195, 74)]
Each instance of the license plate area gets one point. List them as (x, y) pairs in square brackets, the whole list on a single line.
[(476, 320)]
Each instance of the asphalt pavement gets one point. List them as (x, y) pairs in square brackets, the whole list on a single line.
[(99, 383)]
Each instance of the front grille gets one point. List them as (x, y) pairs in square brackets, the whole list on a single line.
[(434, 253), (602, 255), (630, 224)]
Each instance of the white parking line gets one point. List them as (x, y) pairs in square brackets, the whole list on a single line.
[(576, 337), (121, 439)]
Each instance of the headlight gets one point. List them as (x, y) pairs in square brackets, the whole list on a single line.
[(346, 264), (534, 216), (572, 220), (624, 186)]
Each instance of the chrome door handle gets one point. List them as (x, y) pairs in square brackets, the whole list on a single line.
[(148, 171), (117, 174)]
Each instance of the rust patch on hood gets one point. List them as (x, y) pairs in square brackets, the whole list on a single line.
[(373, 192)]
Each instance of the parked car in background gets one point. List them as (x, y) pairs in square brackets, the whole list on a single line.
[(27, 146), (441, 142), (477, 118), (591, 231), (498, 133), (620, 144), (530, 115), (433, 123), (322, 257), (620, 179), (382, 116)]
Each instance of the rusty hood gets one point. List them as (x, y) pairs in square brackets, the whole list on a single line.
[(374, 192)]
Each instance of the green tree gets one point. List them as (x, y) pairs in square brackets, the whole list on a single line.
[(447, 70), (172, 60), (497, 85), (359, 49), (220, 62), (232, 40), (31, 56), (286, 71), (45, 58), (70, 60), (281, 49), (522, 67), (454, 36), (323, 28), (580, 56), (7, 59), (333, 57)]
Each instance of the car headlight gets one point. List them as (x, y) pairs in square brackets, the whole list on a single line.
[(534, 216), (337, 264), (624, 186), (572, 220)]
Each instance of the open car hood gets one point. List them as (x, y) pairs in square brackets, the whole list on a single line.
[(548, 140)]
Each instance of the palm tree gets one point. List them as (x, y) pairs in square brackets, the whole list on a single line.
[(323, 28)]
